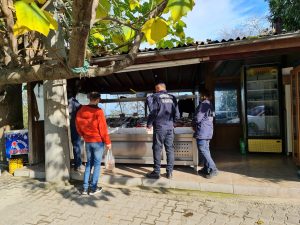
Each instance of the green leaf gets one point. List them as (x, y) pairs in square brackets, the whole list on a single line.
[(31, 17), (190, 40), (167, 44), (180, 8), (103, 9), (128, 33), (155, 29)]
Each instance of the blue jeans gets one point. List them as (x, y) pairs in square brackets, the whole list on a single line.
[(163, 138), (76, 142), (203, 148), (94, 150)]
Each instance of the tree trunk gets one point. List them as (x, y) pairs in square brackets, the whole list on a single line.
[(12, 48), (56, 123), (83, 14), (11, 114)]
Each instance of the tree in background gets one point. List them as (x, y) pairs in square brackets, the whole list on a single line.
[(251, 27), (285, 12)]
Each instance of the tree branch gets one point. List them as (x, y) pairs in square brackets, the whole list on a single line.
[(58, 71), (118, 22), (9, 21)]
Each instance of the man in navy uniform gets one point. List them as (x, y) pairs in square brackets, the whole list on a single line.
[(164, 112), (203, 124), (74, 106)]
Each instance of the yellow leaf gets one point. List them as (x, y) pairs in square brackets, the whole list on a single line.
[(19, 30), (180, 8), (32, 17), (42, 2), (53, 22), (28, 1), (98, 36), (260, 221), (133, 4), (118, 39), (155, 29), (103, 9)]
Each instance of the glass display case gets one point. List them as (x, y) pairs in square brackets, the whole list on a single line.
[(263, 114)]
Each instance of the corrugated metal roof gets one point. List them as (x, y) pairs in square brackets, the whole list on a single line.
[(206, 44)]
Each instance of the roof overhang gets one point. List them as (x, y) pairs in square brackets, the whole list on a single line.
[(239, 49), (184, 68)]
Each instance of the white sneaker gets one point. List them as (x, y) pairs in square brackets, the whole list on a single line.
[(98, 190), (84, 192), (80, 169)]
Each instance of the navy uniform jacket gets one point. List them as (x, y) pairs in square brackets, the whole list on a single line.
[(74, 106), (203, 121), (149, 102), (164, 111)]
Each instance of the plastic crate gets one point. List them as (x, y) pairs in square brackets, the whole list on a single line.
[(15, 164), (265, 145)]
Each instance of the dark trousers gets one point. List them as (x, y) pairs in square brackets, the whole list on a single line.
[(163, 138), (76, 142), (209, 165)]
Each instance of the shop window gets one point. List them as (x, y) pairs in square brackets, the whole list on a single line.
[(226, 106)]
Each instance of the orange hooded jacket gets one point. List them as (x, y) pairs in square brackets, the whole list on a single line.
[(91, 124)]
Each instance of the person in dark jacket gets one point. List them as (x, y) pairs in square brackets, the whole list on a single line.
[(203, 123), (164, 112), (74, 106), (149, 102)]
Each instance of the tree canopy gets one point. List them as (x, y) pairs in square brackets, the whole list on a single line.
[(65, 33), (286, 12)]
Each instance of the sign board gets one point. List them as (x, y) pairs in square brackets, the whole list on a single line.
[(16, 142)]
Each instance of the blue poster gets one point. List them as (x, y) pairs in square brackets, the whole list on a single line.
[(16, 142)]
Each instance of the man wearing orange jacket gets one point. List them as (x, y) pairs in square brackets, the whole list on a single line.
[(91, 125)]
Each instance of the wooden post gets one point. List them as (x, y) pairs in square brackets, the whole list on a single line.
[(31, 153), (11, 115)]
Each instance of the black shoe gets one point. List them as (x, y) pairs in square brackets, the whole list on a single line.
[(211, 174), (96, 191), (202, 172), (153, 175), (169, 175)]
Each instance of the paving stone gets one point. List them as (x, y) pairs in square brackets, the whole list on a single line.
[(234, 221), (293, 219), (45, 204), (163, 217), (150, 219), (175, 222)]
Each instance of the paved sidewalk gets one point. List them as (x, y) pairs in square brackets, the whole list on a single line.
[(27, 201), (260, 175)]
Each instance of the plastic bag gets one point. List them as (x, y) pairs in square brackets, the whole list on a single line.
[(109, 161)]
